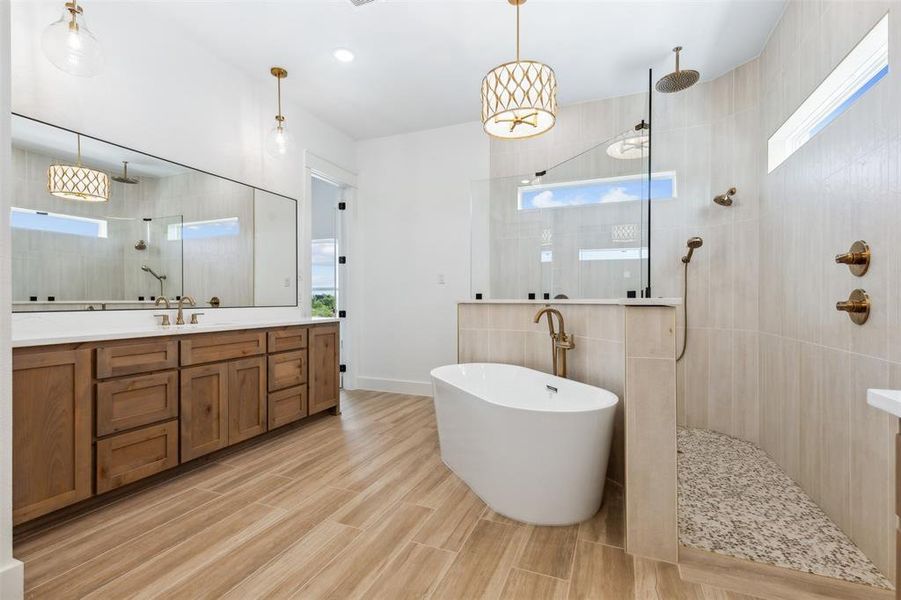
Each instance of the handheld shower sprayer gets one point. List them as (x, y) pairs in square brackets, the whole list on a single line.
[(159, 278), (693, 244)]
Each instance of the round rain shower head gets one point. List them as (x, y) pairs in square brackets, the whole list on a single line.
[(124, 178), (679, 79), (725, 199)]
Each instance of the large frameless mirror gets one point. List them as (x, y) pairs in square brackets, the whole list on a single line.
[(96, 226)]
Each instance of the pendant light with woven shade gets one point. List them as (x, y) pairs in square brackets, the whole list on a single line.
[(519, 98), (77, 182)]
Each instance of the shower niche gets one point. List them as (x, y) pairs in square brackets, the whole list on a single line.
[(165, 230)]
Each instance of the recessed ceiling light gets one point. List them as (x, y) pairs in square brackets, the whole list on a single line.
[(343, 55)]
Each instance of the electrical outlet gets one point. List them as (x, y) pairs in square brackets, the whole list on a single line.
[(287, 282), (440, 278)]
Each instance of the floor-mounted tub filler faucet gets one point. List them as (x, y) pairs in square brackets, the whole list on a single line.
[(560, 341)]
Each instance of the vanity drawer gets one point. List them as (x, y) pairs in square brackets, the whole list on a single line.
[(287, 338), (287, 406), (287, 369), (128, 457), (214, 347), (126, 403), (143, 357)]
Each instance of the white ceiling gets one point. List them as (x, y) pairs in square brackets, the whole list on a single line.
[(419, 63)]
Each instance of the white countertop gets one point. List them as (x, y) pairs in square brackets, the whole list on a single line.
[(42, 337), (887, 400), (614, 301)]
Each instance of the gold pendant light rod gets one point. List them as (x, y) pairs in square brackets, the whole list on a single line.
[(279, 73)]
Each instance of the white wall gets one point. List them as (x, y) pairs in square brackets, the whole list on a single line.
[(412, 226), (10, 570), (164, 94)]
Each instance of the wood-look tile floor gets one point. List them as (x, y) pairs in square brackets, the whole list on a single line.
[(357, 506)]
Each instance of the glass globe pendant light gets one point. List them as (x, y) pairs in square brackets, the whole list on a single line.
[(70, 45), (279, 141), (519, 98), (76, 182)]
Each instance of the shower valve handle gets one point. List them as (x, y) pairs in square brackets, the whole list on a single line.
[(857, 258)]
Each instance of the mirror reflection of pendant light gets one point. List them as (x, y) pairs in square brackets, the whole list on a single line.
[(279, 141), (70, 45), (519, 98), (75, 182), (634, 143)]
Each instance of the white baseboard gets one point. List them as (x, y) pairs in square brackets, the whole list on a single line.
[(12, 581), (396, 386)]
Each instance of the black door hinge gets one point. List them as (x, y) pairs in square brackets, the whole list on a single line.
[(342, 260), (343, 368), (342, 205), (342, 314)]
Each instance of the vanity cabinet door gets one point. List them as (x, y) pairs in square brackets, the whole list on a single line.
[(247, 402), (287, 406), (204, 410), (51, 431), (323, 379)]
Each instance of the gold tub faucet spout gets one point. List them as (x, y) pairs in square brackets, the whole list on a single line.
[(560, 341)]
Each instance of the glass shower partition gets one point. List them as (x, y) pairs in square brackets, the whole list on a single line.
[(578, 230)]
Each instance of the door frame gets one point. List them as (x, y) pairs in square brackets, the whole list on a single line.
[(316, 166)]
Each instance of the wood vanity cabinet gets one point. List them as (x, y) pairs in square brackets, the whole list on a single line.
[(89, 418), (52, 455), (247, 400), (204, 410), (324, 369)]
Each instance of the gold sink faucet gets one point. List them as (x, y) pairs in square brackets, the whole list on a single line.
[(560, 341), (165, 317), (180, 317)]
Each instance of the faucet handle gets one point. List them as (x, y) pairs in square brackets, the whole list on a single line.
[(194, 316), (165, 322)]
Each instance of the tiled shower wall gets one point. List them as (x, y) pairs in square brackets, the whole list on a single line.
[(708, 136), (843, 185), (769, 359)]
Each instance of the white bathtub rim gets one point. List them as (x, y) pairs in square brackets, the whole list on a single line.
[(608, 399)]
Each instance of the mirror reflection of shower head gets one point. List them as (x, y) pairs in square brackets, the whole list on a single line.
[(725, 199), (124, 178), (147, 269), (693, 243), (678, 80)]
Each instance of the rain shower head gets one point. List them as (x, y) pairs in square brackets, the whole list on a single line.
[(693, 244), (124, 178), (678, 80)]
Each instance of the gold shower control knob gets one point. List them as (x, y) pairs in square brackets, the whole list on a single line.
[(857, 306), (857, 258)]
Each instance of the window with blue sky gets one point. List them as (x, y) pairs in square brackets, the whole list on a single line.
[(198, 230), (36, 220), (864, 67), (630, 188)]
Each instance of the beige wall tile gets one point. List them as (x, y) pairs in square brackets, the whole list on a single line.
[(650, 332)]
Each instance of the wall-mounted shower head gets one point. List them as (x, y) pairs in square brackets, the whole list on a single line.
[(725, 199), (678, 80), (693, 243)]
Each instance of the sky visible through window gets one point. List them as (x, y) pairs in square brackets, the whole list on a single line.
[(23, 218), (597, 191), (851, 100)]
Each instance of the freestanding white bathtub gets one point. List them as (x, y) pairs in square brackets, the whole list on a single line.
[(533, 446)]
